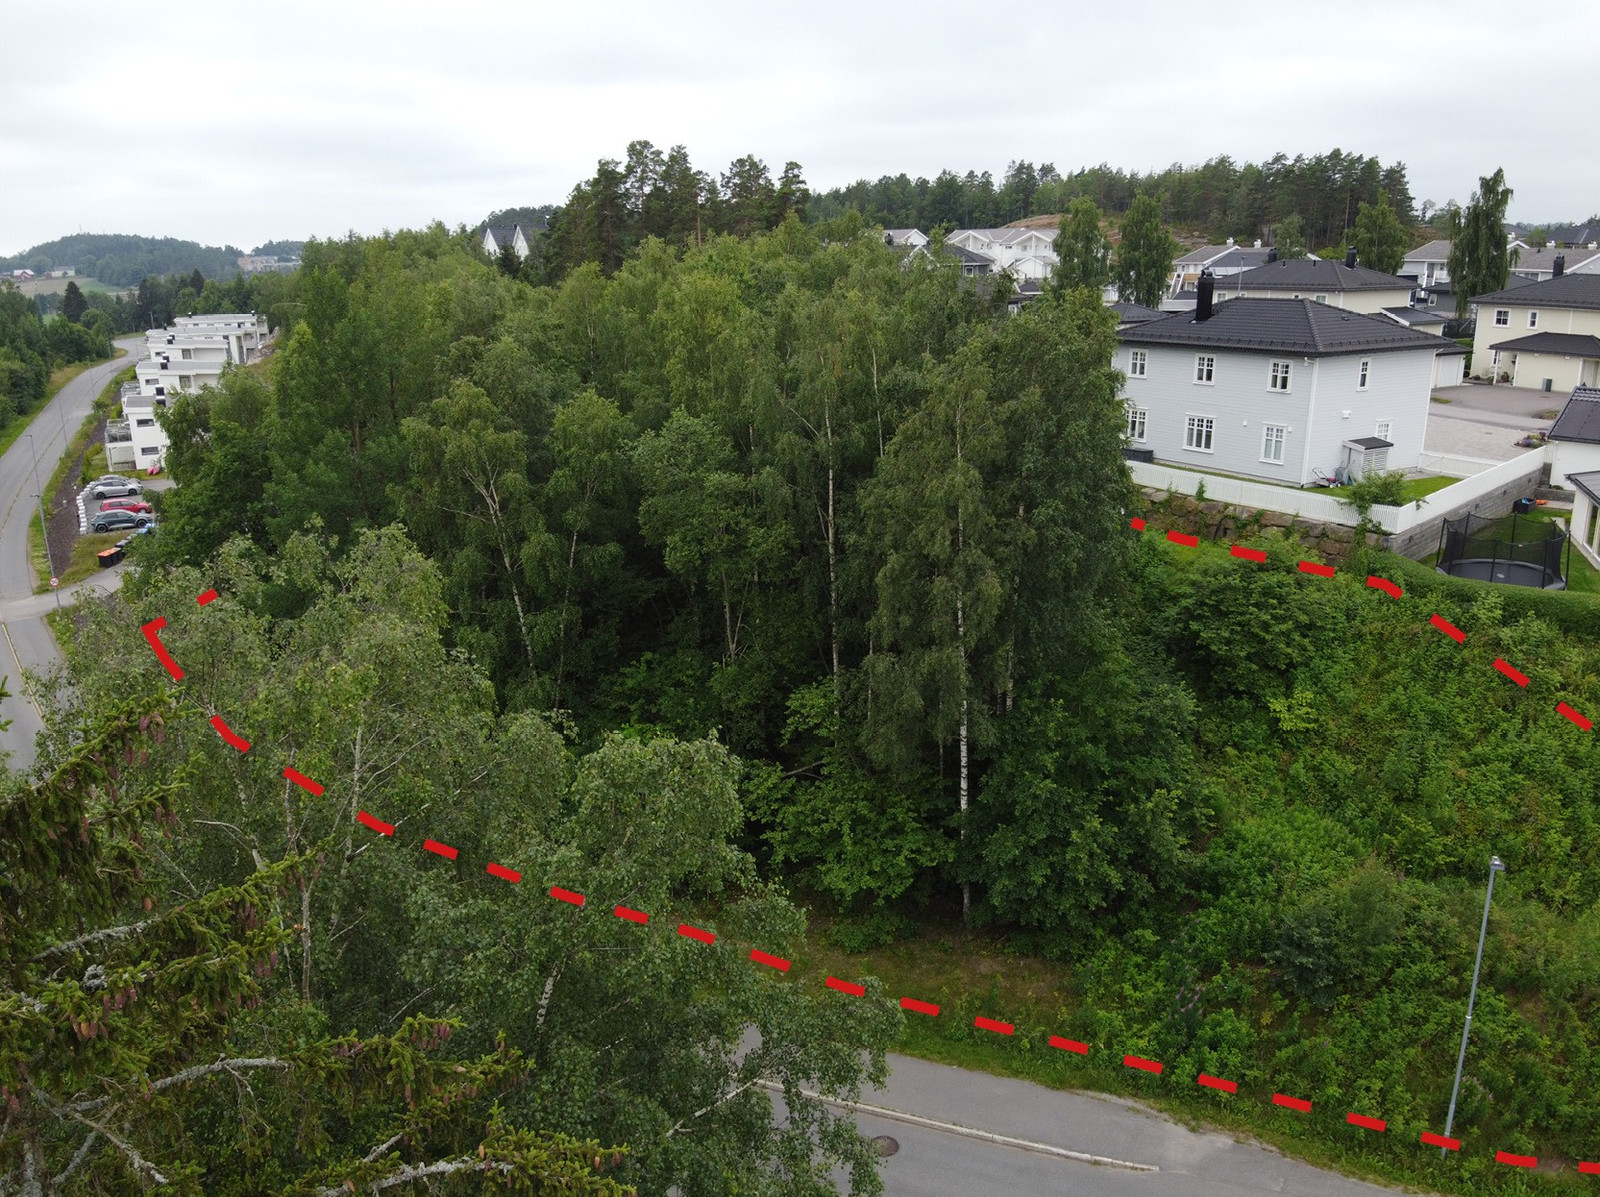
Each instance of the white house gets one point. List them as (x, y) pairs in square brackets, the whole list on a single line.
[(1537, 265), (1543, 335), (1282, 390), (244, 333), (136, 441), (1222, 260), (1339, 284), (195, 351), (905, 238), (1021, 253), (498, 237), (22, 276), (1428, 265)]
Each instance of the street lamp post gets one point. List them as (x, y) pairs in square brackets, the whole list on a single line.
[(44, 526), (1496, 865)]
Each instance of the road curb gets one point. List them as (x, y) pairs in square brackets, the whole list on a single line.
[(968, 1132)]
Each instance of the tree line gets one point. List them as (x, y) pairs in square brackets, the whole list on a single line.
[(30, 349)]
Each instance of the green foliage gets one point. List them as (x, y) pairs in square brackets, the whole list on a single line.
[(1479, 258), (1381, 238), (1082, 247), (1144, 255), (123, 259), (1289, 237), (73, 304)]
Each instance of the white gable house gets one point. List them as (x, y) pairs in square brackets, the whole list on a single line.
[(496, 238), (1282, 390)]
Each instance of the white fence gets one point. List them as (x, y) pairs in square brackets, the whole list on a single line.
[(1453, 465), (1316, 505)]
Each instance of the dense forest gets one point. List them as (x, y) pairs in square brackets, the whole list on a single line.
[(1221, 198), (30, 349), (742, 572)]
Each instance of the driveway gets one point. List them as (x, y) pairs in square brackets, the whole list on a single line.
[(1507, 406)]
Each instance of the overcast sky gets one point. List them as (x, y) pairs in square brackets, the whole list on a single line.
[(231, 123)]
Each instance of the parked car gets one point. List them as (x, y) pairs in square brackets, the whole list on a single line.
[(134, 504), (112, 486), (115, 521)]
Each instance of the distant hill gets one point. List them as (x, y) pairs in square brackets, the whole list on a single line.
[(531, 219), (279, 249), (122, 259)]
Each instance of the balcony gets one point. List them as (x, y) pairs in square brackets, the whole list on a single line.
[(118, 432)]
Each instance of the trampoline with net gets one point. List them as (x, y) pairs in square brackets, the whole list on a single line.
[(1467, 549)]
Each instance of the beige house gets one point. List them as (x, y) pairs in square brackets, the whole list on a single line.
[(1540, 335), (1337, 284)]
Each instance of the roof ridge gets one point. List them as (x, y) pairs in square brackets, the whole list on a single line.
[(1311, 321)]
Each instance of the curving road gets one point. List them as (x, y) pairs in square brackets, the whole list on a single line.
[(25, 639)]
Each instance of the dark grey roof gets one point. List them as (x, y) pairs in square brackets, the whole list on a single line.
[(1588, 483), (1415, 316), (1568, 291), (1297, 326), (1579, 419), (1370, 442), (503, 234), (1310, 274), (968, 257), (1134, 313), (1573, 234), (1567, 344)]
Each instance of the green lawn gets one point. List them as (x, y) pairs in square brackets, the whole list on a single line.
[(1582, 578), (1415, 488)]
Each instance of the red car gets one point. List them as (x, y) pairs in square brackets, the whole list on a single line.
[(132, 503)]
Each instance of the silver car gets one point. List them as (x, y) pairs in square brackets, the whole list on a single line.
[(110, 486)]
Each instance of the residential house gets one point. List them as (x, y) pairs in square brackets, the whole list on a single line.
[(1543, 335), (1222, 260), (137, 441), (904, 238), (1338, 284), (1537, 265), (497, 237), (1129, 314), (1276, 389), (22, 276), (1573, 236), (1021, 253), (1575, 438), (191, 354), (1427, 265), (267, 264)]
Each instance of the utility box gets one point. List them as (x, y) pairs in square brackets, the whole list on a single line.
[(110, 557)]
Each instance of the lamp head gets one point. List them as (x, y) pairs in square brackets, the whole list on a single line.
[(1496, 865)]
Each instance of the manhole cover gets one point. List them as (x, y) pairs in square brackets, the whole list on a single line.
[(886, 1146)]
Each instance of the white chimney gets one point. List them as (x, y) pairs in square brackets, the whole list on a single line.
[(1230, 242), (1258, 242)]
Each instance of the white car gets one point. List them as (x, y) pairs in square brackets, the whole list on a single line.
[(112, 487)]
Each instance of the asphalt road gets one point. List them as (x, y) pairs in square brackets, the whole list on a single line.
[(25, 639)]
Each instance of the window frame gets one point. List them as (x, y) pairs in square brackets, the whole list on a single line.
[(1193, 426), (1282, 441), (1502, 317), (1384, 429), (1363, 373), (1138, 418), (1205, 364), (1279, 371), (1533, 317), (1138, 363)]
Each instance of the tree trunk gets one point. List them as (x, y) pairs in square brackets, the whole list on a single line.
[(961, 753)]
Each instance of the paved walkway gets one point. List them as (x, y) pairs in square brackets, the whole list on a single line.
[(1473, 438)]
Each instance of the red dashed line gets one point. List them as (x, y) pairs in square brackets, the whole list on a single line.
[(1520, 678), (444, 850), (993, 1024), (152, 633), (1516, 1161), (377, 825), (698, 933), (777, 962), (1292, 1103), (1239, 550), (1184, 539), (1588, 1169), (502, 872), (917, 1007), (846, 987), (1069, 1045), (1137, 524), (1142, 1064), (1311, 567), (1377, 1124), (1216, 1082), (1449, 629), (566, 895), (233, 739), (1563, 709), (1383, 584), (209, 596), (1433, 1140), (304, 782), (633, 916)]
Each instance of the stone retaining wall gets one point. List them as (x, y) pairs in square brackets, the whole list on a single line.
[(1211, 520)]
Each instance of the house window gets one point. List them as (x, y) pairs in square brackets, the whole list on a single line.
[(150, 450), (1533, 319), (1136, 423), (1198, 435), (1501, 317), (1272, 443), (188, 354), (1205, 367), (1136, 363), (1322, 299), (1361, 378), (1280, 377), (1382, 430), (143, 423)]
